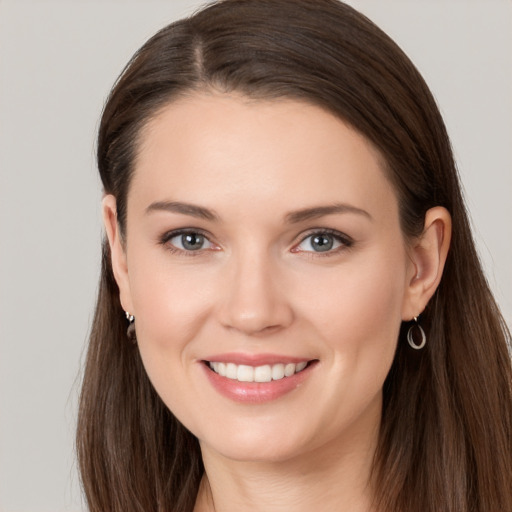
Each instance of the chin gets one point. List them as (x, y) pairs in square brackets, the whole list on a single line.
[(257, 444), (259, 452)]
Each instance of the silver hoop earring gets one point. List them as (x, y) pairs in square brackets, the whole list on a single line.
[(130, 332), (410, 338)]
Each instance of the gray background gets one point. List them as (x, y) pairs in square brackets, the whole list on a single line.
[(58, 60)]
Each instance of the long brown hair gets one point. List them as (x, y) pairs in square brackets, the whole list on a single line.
[(446, 433)]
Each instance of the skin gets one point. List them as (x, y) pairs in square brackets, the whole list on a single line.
[(259, 286)]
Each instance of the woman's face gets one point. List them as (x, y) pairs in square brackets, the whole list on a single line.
[(263, 237)]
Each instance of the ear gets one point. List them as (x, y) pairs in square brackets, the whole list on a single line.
[(427, 257), (117, 251)]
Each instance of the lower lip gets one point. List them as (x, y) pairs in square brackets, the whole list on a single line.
[(256, 392)]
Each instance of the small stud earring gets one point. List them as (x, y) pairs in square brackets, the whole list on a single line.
[(410, 333), (130, 332)]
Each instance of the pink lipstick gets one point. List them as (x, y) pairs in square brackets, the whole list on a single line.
[(256, 378)]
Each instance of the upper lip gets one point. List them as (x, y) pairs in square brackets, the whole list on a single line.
[(255, 359)]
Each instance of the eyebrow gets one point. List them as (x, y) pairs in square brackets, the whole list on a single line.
[(183, 208), (320, 211), (291, 217)]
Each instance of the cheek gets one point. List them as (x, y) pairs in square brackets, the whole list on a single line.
[(359, 309), (171, 308), (357, 318), (171, 303)]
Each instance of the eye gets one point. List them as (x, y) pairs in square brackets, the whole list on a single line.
[(323, 241), (187, 241)]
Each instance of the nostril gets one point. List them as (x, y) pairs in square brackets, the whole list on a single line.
[(251, 328)]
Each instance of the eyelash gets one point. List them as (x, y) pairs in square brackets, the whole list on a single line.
[(345, 241), (167, 237)]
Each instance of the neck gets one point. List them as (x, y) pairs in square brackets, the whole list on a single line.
[(335, 476)]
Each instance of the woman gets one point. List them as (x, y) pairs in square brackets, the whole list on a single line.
[(291, 312)]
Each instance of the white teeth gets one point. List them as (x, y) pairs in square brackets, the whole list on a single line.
[(277, 371), (245, 373), (300, 366), (265, 373), (289, 370), (231, 371)]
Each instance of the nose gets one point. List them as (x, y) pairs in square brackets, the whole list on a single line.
[(255, 299)]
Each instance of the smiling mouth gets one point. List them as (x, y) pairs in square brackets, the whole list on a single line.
[(264, 373)]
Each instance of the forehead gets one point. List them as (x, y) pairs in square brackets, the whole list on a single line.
[(225, 148)]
